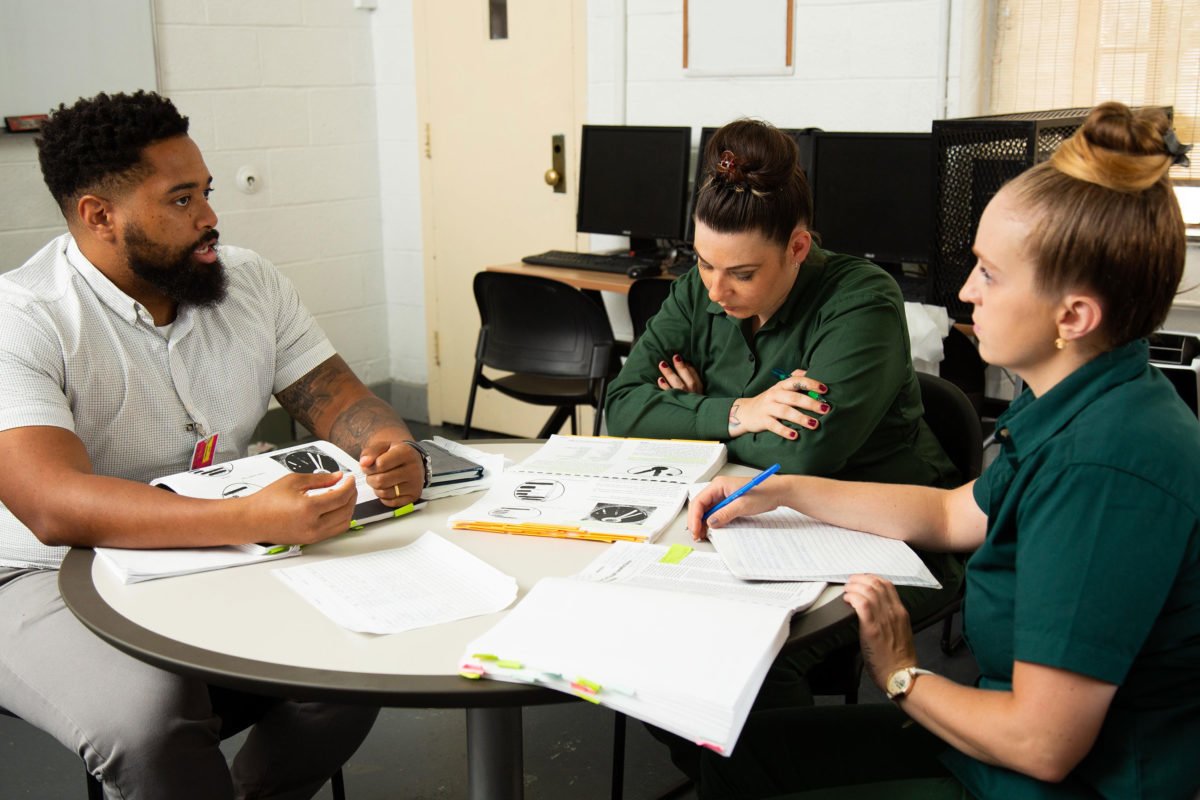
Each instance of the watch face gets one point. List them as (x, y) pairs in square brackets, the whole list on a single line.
[(898, 683)]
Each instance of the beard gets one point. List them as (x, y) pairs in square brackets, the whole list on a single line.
[(176, 273)]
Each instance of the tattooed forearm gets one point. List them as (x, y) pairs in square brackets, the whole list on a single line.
[(313, 396), (356, 424), (332, 403), (734, 422)]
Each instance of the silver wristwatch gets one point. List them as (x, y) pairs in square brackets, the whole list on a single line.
[(900, 682), (426, 462)]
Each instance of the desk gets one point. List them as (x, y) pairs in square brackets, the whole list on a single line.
[(252, 632), (586, 279)]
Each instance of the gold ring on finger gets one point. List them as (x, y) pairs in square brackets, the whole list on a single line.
[(396, 489)]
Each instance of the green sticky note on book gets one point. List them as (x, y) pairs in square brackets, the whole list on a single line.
[(675, 554)]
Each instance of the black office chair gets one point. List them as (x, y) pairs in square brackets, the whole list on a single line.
[(646, 297), (954, 421), (96, 792), (556, 342)]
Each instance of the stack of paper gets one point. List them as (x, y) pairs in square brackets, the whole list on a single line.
[(603, 489), (662, 634), (132, 566), (428, 582), (785, 545), (447, 484)]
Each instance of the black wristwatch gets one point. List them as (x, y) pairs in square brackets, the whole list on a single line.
[(426, 461)]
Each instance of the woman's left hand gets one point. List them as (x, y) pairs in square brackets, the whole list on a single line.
[(884, 631), (678, 374)]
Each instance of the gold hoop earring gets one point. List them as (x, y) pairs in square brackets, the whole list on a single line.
[(1060, 343)]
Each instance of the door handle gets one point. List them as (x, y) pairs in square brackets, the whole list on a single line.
[(556, 175)]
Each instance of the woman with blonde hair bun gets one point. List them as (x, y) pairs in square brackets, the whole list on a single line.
[(1083, 593)]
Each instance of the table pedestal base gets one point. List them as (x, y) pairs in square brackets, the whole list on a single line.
[(495, 758)]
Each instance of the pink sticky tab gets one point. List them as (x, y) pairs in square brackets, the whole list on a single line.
[(202, 456), (716, 748)]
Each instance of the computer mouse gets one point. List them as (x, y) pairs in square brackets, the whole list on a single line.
[(643, 271)]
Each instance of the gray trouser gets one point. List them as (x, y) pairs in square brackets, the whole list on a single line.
[(147, 733)]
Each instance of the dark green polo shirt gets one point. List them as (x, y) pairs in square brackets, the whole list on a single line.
[(844, 322), (1092, 564)]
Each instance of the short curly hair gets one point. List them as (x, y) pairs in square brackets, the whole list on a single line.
[(97, 143)]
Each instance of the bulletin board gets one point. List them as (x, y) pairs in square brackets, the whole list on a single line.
[(56, 51), (749, 37)]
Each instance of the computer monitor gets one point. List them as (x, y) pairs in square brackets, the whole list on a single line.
[(633, 182), (873, 195), (802, 136)]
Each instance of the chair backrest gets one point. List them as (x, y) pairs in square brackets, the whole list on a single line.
[(954, 422), (646, 297), (540, 326)]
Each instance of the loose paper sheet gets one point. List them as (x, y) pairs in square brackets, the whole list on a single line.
[(786, 545), (428, 582)]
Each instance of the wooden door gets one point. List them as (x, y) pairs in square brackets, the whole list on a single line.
[(488, 110)]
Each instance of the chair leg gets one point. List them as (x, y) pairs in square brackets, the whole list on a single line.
[(471, 400), (599, 418), (94, 790), (555, 422), (574, 420), (338, 785), (618, 764), (950, 643)]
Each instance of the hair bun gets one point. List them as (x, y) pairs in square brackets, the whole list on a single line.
[(1120, 149)]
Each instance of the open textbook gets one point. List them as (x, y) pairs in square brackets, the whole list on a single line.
[(598, 488), (245, 476), (785, 545), (665, 635)]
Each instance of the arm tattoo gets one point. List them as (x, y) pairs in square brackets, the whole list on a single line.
[(313, 398), (354, 426), (734, 422)]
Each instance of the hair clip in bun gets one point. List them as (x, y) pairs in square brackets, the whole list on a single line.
[(1176, 149), (727, 161)]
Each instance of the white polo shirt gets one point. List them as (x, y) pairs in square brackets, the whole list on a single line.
[(78, 353)]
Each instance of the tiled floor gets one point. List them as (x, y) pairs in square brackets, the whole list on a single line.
[(421, 753)]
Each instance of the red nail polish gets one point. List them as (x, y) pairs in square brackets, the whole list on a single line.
[(793, 434), (662, 364), (824, 407), (824, 388), (812, 423)]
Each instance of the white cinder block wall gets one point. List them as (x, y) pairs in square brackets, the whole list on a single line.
[(287, 86)]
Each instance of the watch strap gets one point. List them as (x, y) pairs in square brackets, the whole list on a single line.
[(426, 461)]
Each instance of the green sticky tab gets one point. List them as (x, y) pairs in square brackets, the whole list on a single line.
[(485, 657), (508, 664), (587, 697), (675, 554), (595, 687)]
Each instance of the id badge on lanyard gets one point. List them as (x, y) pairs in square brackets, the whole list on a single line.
[(205, 450)]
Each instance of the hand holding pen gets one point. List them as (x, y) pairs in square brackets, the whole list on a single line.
[(796, 401), (729, 498)]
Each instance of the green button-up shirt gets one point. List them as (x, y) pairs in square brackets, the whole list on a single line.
[(1092, 564), (843, 321)]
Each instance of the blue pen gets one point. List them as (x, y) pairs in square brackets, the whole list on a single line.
[(755, 481)]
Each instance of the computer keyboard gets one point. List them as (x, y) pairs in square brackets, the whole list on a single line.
[(597, 262)]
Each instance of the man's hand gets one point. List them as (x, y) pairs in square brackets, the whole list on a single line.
[(292, 510), (395, 471)]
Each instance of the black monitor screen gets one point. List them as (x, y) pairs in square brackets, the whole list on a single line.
[(633, 180), (873, 195), (803, 137)]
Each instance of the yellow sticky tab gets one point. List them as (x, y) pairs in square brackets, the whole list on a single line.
[(587, 697), (485, 657), (675, 553), (595, 687), (474, 676), (508, 664)]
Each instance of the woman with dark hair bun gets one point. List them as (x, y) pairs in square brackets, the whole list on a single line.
[(764, 301), (1083, 593)]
